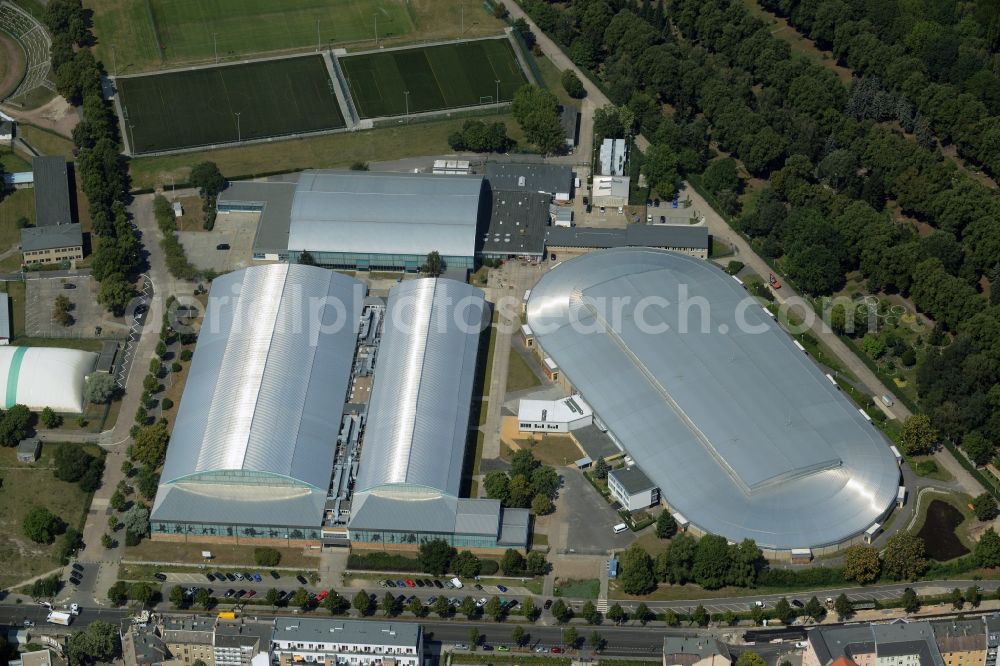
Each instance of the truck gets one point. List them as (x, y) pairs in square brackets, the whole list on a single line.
[(773, 280), (59, 617), (227, 615)]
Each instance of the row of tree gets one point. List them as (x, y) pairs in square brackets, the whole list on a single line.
[(437, 557), (529, 483), (99, 165)]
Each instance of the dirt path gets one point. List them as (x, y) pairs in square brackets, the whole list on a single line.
[(12, 65), (56, 116)]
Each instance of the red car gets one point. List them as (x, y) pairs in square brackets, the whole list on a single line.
[(251, 593), (556, 650), (322, 595), (410, 582)]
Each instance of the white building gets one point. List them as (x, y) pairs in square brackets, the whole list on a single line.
[(612, 157), (610, 191), (632, 488), (561, 415), (334, 642)]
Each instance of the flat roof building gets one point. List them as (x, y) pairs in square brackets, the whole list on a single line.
[(336, 641), (609, 191), (48, 245), (554, 180), (612, 157), (632, 488), (742, 432), (516, 226), (5, 333), (250, 456), (563, 415), (371, 220), (691, 240), (52, 204), (407, 487), (272, 200)]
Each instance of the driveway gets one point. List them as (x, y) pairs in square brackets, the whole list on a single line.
[(583, 520)]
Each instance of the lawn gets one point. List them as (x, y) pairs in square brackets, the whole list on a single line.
[(315, 152), (552, 77), (222, 104), (430, 78), (222, 554), (556, 450), (578, 589), (152, 33), (520, 376), (12, 161), (46, 142), (17, 204), (25, 486)]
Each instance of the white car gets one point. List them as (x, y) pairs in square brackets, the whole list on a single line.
[(74, 609), (481, 602), (802, 645)]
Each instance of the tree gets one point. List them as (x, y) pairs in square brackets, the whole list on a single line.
[(670, 618), (208, 179), (469, 608), (748, 658), (142, 593), (272, 597), (473, 637), (911, 602), (666, 526), (116, 293), (61, 309), (814, 609), (118, 593), (99, 388), (711, 562), (442, 607), (71, 462), (560, 611), (601, 469), (98, 643), (466, 564), (433, 264), (589, 612), (512, 563), (985, 507), (416, 607), (541, 505), (595, 640), (918, 436), (136, 519), (535, 110), (528, 608), (494, 609), (150, 444), (49, 418), (680, 559), (956, 598), (205, 599), (843, 607), (662, 170), (783, 610), (862, 564), (572, 84), (303, 599), (616, 613), (14, 425), (435, 556), (177, 596), (535, 564), (643, 614), (973, 596), (637, 571), (700, 616), (389, 605), (363, 603), (41, 525), (987, 553), (903, 557), (722, 175), (497, 485), (570, 636), (267, 557), (517, 635)]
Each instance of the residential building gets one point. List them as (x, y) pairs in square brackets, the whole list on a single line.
[(569, 118), (562, 415), (632, 488), (961, 642), (238, 642), (336, 642), (36, 658), (695, 651), (189, 638), (899, 643), (142, 645)]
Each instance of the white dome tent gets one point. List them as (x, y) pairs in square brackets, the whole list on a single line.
[(40, 377)]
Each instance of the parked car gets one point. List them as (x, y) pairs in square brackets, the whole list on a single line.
[(74, 581), (798, 604), (390, 583), (556, 650), (383, 583), (541, 649), (410, 583), (481, 602), (458, 646), (430, 602), (503, 648), (29, 624), (78, 566), (322, 595), (238, 575), (230, 592), (251, 593), (69, 285), (428, 582), (487, 648), (302, 579), (230, 577), (241, 594), (400, 583), (275, 575), (548, 604), (438, 584), (502, 588), (160, 576), (222, 246), (401, 599), (419, 582), (449, 585), (257, 577), (478, 587)]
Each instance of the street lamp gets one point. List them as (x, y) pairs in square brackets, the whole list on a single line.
[(376, 29), (238, 134), (498, 95), (406, 96), (215, 43)]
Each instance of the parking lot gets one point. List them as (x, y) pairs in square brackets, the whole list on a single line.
[(586, 519), (87, 314), (235, 230)]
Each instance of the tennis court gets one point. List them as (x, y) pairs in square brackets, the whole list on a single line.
[(447, 76), (212, 105)]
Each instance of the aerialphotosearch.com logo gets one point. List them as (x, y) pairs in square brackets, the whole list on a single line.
[(313, 317)]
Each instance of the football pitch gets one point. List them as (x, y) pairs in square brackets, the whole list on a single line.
[(148, 33), (436, 77), (213, 105)]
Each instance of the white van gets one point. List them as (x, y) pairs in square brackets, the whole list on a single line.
[(619, 528), (457, 583), (887, 401)]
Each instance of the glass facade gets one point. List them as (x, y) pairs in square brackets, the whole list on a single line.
[(378, 262), (237, 531), (392, 537)]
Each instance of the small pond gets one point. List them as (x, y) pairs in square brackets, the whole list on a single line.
[(938, 532)]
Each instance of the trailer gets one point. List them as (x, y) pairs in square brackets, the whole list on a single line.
[(59, 617)]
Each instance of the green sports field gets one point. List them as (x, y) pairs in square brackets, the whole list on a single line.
[(437, 77), (150, 33), (199, 107)]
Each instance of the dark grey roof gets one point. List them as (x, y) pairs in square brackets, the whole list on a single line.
[(514, 527), (634, 235), (106, 361), (548, 178), (960, 635), (245, 633), (569, 116), (702, 646), (517, 223), (29, 445), (51, 190), (148, 648), (321, 630), (442, 514), (5, 331), (906, 638), (832, 642), (632, 479), (52, 237), (274, 199)]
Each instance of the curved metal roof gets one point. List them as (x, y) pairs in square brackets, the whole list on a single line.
[(267, 384), (742, 432), (418, 416), (40, 377), (387, 213)]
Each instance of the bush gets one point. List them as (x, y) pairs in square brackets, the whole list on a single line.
[(41, 525), (266, 557), (167, 403), (383, 562), (572, 84), (926, 467), (734, 267), (186, 354), (100, 388), (488, 567)]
